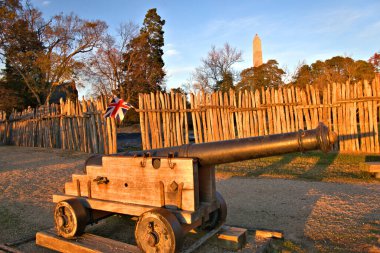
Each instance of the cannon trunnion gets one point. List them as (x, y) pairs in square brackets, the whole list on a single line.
[(172, 190)]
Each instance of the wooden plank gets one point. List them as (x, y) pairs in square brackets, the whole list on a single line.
[(6, 249), (275, 111), (374, 116), (135, 193), (376, 83), (148, 123), (194, 118), (313, 101), (306, 112), (222, 117), (181, 119), (293, 111), (120, 170), (229, 238), (185, 116), (232, 238), (282, 108), (345, 118), (363, 140), (371, 123), (373, 166), (341, 127), (152, 128), (201, 130), (269, 234), (261, 117), (143, 124), (354, 117), (206, 237), (187, 217), (206, 125), (226, 114), (285, 99), (168, 120), (213, 118), (255, 121), (159, 121), (232, 106), (269, 110), (165, 127), (246, 116), (87, 243), (238, 115), (209, 117), (299, 117)]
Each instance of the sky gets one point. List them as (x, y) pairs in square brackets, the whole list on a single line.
[(291, 31)]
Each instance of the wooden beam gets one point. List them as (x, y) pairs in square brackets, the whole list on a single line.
[(374, 167), (87, 243), (6, 249), (232, 238), (269, 234), (133, 209)]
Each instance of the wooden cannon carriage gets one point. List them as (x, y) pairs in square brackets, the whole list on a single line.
[(172, 190)]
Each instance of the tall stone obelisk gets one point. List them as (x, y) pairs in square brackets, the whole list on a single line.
[(257, 52)]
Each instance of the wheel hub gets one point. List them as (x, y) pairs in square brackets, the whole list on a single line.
[(158, 230), (152, 239), (62, 220)]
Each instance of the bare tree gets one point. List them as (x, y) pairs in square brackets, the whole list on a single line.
[(54, 57), (104, 67), (216, 71)]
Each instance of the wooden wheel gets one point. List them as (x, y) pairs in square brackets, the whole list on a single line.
[(158, 230), (70, 218), (219, 216)]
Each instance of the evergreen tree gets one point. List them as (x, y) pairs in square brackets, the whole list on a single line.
[(143, 63), (152, 27)]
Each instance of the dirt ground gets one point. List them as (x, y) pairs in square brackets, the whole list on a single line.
[(318, 216)]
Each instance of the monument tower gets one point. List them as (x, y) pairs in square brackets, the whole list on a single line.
[(257, 52)]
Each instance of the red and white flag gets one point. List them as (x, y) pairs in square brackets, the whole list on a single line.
[(117, 109)]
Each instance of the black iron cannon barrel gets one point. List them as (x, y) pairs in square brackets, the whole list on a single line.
[(212, 153)]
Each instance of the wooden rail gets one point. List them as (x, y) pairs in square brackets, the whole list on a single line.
[(78, 125), (351, 110)]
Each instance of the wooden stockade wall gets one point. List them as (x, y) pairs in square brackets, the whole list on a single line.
[(351, 110), (76, 126)]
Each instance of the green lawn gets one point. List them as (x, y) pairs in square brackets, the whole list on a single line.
[(315, 166)]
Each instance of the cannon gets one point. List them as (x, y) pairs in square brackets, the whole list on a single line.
[(171, 190)]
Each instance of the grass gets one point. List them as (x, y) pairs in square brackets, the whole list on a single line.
[(315, 166), (284, 246)]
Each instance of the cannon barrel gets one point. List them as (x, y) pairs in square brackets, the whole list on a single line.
[(213, 153)]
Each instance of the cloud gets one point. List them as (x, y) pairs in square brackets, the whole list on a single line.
[(171, 52), (45, 3), (179, 70)]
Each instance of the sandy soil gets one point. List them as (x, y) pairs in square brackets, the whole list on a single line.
[(321, 217)]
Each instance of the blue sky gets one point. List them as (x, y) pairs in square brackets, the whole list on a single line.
[(290, 31)]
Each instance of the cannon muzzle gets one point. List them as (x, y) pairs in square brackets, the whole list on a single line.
[(213, 153)]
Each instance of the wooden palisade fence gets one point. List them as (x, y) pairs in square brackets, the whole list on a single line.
[(351, 110), (70, 125)]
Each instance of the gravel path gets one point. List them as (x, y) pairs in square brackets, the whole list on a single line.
[(326, 217), (322, 217)]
